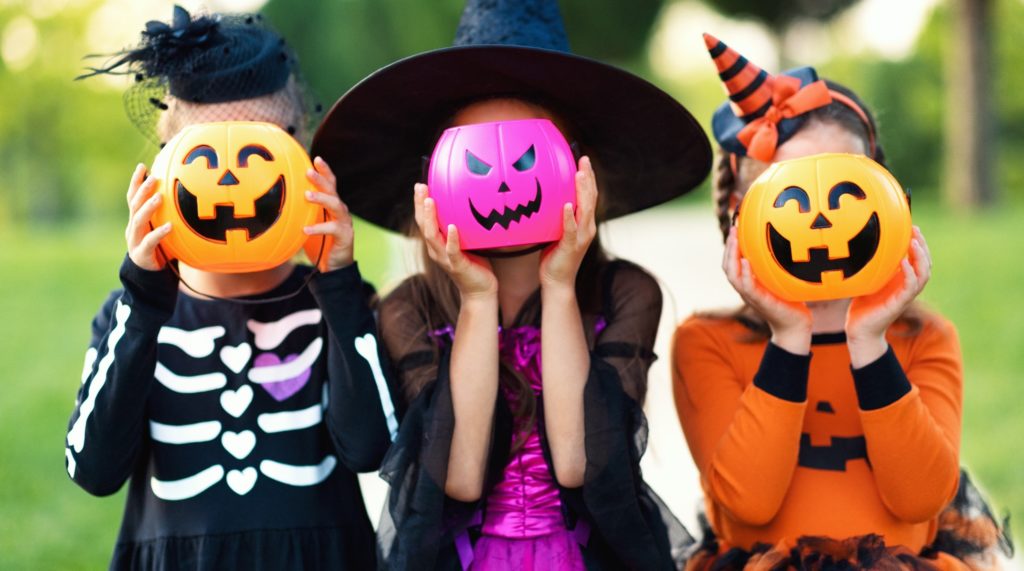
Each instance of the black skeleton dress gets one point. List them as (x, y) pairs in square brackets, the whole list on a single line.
[(624, 524), (240, 427)]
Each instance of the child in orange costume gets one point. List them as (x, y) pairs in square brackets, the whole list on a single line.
[(849, 457)]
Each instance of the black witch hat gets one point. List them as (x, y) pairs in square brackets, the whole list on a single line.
[(646, 148)]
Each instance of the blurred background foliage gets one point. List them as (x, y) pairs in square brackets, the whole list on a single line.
[(64, 145), (67, 150)]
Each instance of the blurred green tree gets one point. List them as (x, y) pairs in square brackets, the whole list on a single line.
[(909, 98), (778, 15), (970, 139), (345, 41)]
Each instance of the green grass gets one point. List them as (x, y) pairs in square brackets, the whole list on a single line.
[(977, 283), (55, 280), (53, 284)]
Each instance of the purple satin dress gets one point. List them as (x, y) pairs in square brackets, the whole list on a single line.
[(523, 528)]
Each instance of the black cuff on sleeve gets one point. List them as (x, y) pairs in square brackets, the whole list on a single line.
[(157, 289), (880, 383), (342, 280), (783, 374)]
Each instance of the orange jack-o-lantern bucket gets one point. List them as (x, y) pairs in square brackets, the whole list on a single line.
[(827, 226), (234, 193)]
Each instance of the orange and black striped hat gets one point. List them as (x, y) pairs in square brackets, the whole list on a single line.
[(763, 110)]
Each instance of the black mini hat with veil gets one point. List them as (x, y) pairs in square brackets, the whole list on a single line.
[(197, 61)]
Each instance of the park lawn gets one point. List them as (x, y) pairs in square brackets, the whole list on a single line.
[(56, 279)]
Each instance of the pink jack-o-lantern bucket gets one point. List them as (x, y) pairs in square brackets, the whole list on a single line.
[(502, 183)]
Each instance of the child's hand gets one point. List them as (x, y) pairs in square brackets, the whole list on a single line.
[(142, 203), (339, 223), (472, 276), (560, 262), (870, 316), (789, 321)]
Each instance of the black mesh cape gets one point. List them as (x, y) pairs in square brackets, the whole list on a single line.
[(630, 526)]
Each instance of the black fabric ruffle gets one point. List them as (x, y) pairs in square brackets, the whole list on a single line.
[(271, 550), (968, 531), (630, 526)]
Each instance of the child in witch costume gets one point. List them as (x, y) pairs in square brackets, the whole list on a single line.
[(525, 369), (240, 417), (827, 433)]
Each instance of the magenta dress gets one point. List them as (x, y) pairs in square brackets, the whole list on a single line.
[(523, 527)]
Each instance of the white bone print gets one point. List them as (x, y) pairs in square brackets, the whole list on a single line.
[(72, 463), (236, 402), (188, 384), (272, 422), (185, 488), (76, 436), (237, 357), (90, 359), (238, 444), (197, 343), (366, 346), (289, 369), (299, 475), (184, 433), (271, 334), (242, 481)]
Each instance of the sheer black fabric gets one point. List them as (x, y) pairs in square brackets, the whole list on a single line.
[(629, 526)]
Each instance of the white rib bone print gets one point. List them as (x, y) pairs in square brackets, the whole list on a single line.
[(239, 443)]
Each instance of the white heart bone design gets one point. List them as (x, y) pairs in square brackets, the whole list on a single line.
[(236, 402), (238, 444), (237, 357), (241, 481)]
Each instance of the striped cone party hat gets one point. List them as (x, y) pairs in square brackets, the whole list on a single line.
[(748, 86)]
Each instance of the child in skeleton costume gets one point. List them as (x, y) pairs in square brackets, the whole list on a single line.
[(240, 423), (827, 434), (525, 370)]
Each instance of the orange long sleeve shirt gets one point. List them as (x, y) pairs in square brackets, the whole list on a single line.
[(774, 469)]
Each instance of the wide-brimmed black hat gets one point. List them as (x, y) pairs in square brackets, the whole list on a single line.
[(645, 146)]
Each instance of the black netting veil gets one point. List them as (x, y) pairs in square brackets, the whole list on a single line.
[(211, 67)]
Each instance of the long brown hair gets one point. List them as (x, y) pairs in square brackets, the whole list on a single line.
[(726, 196), (436, 293)]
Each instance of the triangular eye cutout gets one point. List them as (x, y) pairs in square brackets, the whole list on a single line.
[(475, 165), (526, 162)]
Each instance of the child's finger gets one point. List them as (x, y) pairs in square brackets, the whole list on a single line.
[(138, 176), (332, 228), (139, 224), (324, 169), (452, 247), (746, 277), (429, 227), (921, 261), (321, 182), (924, 243), (586, 190), (419, 194), (730, 261), (331, 202), (143, 194), (570, 229), (152, 239)]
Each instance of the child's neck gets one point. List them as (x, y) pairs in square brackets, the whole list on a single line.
[(232, 285), (828, 316), (518, 278)]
